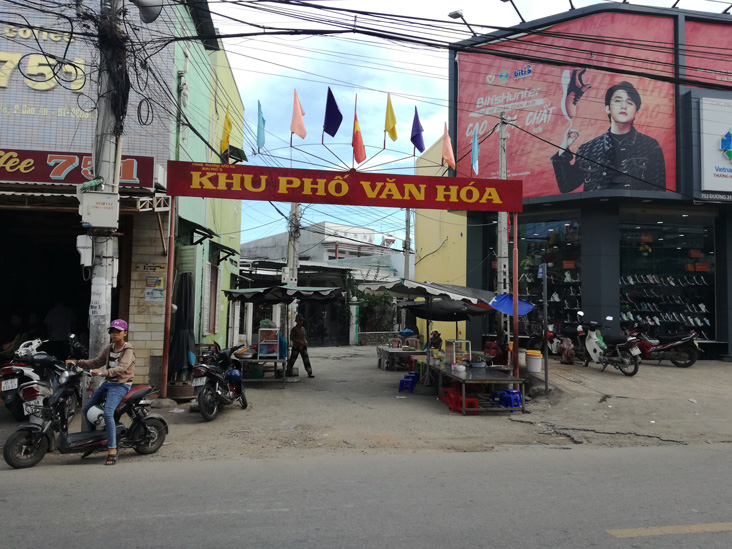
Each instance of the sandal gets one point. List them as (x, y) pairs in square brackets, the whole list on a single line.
[(111, 458)]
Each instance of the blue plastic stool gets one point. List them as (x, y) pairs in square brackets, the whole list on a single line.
[(406, 384)]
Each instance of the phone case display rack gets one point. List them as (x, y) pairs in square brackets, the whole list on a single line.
[(668, 303), (457, 351), (269, 343)]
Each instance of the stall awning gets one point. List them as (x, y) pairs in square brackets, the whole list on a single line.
[(445, 310), (283, 294), (411, 289)]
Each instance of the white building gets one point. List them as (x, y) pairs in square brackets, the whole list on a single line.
[(322, 242)]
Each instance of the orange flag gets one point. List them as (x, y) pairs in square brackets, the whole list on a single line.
[(297, 126), (359, 151), (447, 155)]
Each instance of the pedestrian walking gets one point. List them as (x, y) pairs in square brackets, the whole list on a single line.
[(299, 346)]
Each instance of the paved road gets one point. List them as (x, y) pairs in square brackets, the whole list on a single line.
[(659, 497)]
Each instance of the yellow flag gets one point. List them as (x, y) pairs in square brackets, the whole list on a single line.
[(227, 131), (390, 124)]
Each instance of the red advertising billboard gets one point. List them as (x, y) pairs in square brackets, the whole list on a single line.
[(69, 168), (351, 188), (573, 130), (707, 52)]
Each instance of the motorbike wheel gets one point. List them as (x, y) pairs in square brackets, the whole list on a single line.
[(686, 356), (207, 403), (71, 406), (154, 436), (15, 407), (19, 451), (243, 399), (631, 368)]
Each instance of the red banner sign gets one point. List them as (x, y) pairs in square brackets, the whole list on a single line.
[(344, 188), (69, 168)]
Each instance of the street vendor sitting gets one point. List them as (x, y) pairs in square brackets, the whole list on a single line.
[(435, 340)]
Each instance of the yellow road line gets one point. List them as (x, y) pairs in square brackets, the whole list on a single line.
[(670, 530)]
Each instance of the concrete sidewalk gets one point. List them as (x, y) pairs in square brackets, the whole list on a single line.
[(685, 405)]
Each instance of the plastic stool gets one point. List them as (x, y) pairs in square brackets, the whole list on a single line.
[(448, 395), (507, 399), (406, 385), (470, 402)]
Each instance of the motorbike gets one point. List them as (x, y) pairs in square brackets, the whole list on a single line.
[(48, 428), (21, 371), (219, 382), (620, 351), (681, 349), (536, 341)]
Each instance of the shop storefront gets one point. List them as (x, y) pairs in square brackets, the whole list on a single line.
[(626, 166)]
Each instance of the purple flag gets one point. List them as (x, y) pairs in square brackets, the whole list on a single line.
[(333, 116), (417, 130)]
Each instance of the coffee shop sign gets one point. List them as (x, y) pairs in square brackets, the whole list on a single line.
[(343, 188)]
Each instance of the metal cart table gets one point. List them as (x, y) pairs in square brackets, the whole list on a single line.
[(276, 366), (484, 376)]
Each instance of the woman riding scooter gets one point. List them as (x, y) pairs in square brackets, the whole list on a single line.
[(116, 363)]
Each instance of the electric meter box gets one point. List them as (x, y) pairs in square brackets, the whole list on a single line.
[(99, 209)]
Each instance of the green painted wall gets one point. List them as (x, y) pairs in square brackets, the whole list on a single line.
[(210, 87)]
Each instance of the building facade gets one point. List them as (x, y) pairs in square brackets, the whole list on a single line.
[(47, 122), (619, 121)]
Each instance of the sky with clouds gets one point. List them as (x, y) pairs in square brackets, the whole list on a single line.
[(269, 68)]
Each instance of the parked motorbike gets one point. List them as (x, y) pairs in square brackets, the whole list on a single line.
[(536, 341), (22, 370), (681, 349), (48, 428), (220, 381), (620, 351)]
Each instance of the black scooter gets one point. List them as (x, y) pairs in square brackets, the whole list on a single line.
[(49, 425), (20, 371), (219, 383)]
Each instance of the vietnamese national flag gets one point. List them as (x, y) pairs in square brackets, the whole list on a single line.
[(359, 151)]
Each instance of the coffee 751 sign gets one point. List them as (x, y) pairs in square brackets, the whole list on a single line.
[(343, 188), (69, 168)]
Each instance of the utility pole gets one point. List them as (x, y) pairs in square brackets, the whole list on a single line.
[(106, 157), (502, 236), (407, 249), (103, 193), (289, 273)]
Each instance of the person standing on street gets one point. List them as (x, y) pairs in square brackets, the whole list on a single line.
[(299, 346)]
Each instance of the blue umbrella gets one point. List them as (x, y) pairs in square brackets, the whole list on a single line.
[(504, 303)]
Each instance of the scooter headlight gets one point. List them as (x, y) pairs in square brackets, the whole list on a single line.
[(64, 378)]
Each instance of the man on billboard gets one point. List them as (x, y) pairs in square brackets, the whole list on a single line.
[(622, 158)]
